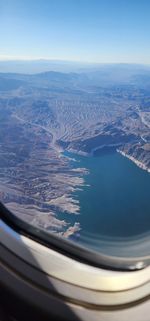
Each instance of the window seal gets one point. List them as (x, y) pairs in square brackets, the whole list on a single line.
[(69, 248)]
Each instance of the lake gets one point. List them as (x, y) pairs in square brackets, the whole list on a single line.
[(115, 206)]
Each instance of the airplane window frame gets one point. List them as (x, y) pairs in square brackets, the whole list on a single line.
[(70, 248)]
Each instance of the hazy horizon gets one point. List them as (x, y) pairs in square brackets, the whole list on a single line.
[(65, 66), (84, 62), (38, 59)]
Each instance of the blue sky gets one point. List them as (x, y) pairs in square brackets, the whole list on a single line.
[(76, 30)]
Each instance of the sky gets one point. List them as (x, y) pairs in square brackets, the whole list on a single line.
[(109, 31)]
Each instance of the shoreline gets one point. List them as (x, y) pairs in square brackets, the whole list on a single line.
[(134, 160), (91, 153)]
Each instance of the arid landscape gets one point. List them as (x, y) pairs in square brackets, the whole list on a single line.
[(42, 115)]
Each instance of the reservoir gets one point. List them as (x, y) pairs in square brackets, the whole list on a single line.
[(115, 201)]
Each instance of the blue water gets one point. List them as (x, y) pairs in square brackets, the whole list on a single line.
[(116, 204)]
